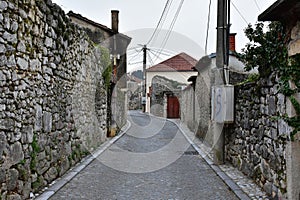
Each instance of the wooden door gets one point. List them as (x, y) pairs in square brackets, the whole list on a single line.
[(173, 107)]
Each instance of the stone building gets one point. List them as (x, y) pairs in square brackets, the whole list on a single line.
[(134, 92), (52, 96), (117, 44), (165, 82), (288, 12)]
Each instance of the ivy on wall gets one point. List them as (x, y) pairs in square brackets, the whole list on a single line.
[(267, 51)]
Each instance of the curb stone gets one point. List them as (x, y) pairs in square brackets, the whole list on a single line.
[(243, 187), (60, 182)]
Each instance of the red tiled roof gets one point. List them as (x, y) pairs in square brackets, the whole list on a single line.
[(180, 62)]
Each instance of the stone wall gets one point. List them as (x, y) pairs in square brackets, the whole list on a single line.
[(52, 100), (294, 43), (116, 44), (187, 107), (196, 100), (162, 86), (293, 148), (256, 144)]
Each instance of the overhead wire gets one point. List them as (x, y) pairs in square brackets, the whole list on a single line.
[(162, 53), (135, 56), (135, 63), (239, 12), (151, 61), (161, 21), (132, 51), (153, 53), (207, 27), (157, 30), (256, 3), (167, 36)]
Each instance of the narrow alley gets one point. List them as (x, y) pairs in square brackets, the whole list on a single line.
[(153, 161)]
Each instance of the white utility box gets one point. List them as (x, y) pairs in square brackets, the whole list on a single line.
[(222, 104), (144, 99)]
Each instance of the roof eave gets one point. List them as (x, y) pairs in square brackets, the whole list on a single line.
[(281, 10), (103, 27)]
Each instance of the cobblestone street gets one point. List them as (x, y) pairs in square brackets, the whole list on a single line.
[(188, 177)]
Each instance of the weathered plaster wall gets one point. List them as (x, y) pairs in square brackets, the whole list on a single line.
[(187, 104), (293, 147), (52, 100), (180, 77), (161, 87), (196, 109), (257, 142), (294, 44)]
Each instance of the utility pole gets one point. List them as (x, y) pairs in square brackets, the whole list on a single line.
[(221, 39), (220, 79), (144, 99)]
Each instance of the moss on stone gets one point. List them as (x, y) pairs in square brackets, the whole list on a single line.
[(35, 149)]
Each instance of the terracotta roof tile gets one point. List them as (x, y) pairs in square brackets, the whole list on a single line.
[(180, 62)]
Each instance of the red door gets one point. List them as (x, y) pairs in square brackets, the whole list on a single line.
[(173, 107)]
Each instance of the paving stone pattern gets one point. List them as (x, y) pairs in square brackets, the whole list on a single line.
[(189, 177), (246, 184), (52, 96)]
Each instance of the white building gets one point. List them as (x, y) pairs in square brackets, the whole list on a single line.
[(177, 68)]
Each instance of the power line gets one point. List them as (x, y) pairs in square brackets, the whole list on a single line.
[(135, 63), (155, 55), (207, 29), (160, 20), (164, 19), (162, 53), (239, 13), (164, 50), (136, 55), (151, 61), (257, 5), (171, 27), (160, 23), (132, 52)]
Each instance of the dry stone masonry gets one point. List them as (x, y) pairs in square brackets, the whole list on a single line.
[(52, 98), (257, 142)]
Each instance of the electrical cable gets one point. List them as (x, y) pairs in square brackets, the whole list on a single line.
[(164, 50), (164, 19), (239, 13), (155, 55), (160, 20), (162, 53), (136, 55), (257, 5), (135, 63), (207, 28), (151, 61), (171, 27)]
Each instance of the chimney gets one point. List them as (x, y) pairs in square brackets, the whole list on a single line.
[(232, 42), (115, 20)]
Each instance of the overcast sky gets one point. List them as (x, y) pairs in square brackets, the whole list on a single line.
[(138, 19)]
